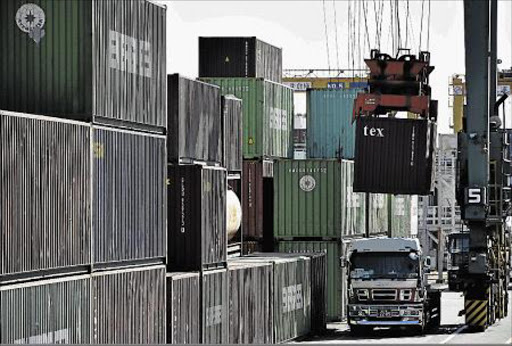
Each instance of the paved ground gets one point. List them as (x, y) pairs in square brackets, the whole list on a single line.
[(452, 330)]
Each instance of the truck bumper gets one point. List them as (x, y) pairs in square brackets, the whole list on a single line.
[(385, 315)]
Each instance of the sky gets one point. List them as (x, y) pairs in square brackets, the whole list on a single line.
[(304, 29)]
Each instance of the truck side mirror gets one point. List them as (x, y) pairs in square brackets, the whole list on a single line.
[(427, 262), (343, 262)]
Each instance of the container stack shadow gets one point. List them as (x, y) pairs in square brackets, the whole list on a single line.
[(83, 167)]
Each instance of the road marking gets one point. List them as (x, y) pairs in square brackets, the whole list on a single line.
[(509, 341), (454, 334)]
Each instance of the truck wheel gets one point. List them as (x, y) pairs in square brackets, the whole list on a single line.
[(360, 330)]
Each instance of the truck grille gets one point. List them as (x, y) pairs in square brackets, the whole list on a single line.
[(384, 294)]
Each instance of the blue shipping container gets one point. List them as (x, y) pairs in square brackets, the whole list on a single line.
[(330, 131)]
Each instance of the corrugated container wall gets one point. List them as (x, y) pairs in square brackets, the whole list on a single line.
[(335, 293), (183, 308), (401, 216), (129, 306), (355, 224), (239, 57), (129, 201), (257, 204), (46, 312), (267, 109), (86, 60), (394, 156), (378, 214), (330, 130), (197, 217), (250, 306), (215, 307), (194, 126), (232, 120), (44, 194)]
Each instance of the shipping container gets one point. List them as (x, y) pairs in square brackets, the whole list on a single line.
[(101, 61), (267, 108), (401, 206), (194, 127), (215, 307), (291, 294), (183, 308), (334, 292), (128, 306), (330, 129), (129, 196), (258, 199), (232, 120), (378, 214), (314, 198), (299, 136), (394, 156), (45, 197), (239, 57), (250, 306), (56, 311), (197, 217), (251, 246)]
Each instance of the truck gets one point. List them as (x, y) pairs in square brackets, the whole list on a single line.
[(387, 285)]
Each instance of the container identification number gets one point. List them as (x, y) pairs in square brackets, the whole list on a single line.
[(292, 298), (213, 315), (129, 54)]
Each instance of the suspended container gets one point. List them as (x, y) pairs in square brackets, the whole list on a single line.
[(129, 196), (197, 236), (314, 198), (56, 311), (379, 220), (267, 108), (239, 57), (215, 307), (183, 308), (250, 305), (100, 61), (45, 197), (394, 156), (330, 131), (233, 133), (195, 127), (401, 207)]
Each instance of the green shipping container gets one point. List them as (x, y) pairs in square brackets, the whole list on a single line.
[(400, 206), (335, 288), (267, 111), (314, 198), (379, 214)]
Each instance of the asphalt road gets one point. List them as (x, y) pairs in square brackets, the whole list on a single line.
[(452, 330)]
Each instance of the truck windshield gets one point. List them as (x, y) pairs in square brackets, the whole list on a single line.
[(380, 265)]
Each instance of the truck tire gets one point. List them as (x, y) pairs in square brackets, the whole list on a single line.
[(360, 330)]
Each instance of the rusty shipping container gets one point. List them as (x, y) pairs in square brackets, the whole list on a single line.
[(128, 306), (56, 311), (232, 120), (239, 57), (101, 61), (250, 306), (183, 308), (197, 236), (129, 201), (195, 128), (215, 307), (258, 199), (45, 195), (394, 156)]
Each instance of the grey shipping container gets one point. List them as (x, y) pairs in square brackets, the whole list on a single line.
[(53, 311), (233, 132), (215, 307), (129, 306), (239, 57), (394, 156), (334, 289), (250, 305), (291, 294), (101, 61), (183, 308), (194, 128), (45, 194), (129, 202), (197, 236), (400, 209), (257, 204), (378, 214)]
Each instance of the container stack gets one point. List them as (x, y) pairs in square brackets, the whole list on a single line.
[(251, 70), (83, 152)]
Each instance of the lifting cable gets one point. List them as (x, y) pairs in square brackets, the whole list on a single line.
[(336, 34), (326, 38)]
